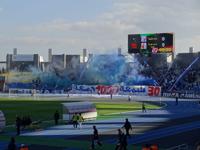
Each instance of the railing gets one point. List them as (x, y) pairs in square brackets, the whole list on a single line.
[(179, 147)]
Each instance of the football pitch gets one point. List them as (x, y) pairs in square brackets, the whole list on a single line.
[(43, 109)]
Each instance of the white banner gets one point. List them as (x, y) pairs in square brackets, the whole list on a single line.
[(122, 90)]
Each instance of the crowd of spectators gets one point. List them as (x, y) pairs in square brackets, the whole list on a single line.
[(190, 82), (183, 75), (180, 78)]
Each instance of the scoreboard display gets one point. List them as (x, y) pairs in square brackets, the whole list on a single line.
[(151, 43)]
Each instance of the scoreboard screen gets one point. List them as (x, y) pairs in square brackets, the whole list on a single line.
[(150, 43)]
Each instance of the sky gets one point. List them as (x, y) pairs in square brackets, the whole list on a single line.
[(100, 26)]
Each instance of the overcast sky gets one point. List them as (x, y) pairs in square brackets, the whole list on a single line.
[(101, 26)]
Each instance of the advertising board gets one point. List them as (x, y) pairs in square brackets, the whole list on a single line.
[(122, 90)]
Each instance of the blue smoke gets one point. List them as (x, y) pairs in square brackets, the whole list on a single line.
[(114, 69)]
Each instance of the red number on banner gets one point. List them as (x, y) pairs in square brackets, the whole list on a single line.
[(153, 91), (150, 90), (156, 91)]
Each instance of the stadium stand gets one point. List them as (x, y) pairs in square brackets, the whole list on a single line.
[(190, 81)]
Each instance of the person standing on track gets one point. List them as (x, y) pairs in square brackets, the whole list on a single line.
[(95, 138), (129, 98), (12, 145), (177, 96), (111, 95), (124, 142), (120, 137), (127, 126), (80, 120), (56, 117), (143, 107), (75, 120), (18, 124)]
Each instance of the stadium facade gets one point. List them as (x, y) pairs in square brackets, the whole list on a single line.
[(145, 64), (30, 71)]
